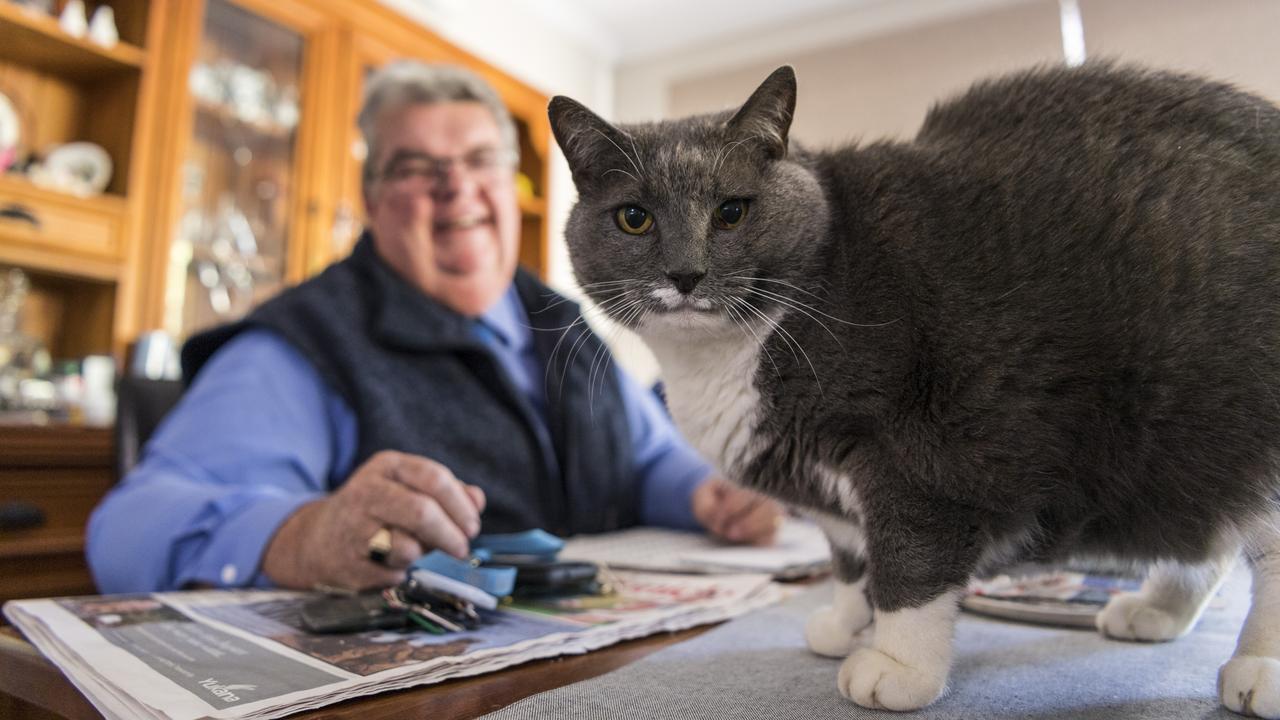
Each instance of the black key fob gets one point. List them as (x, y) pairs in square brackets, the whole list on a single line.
[(555, 578), (356, 613)]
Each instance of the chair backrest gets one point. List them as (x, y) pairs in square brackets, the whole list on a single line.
[(141, 403)]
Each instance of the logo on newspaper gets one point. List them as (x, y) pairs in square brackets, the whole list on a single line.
[(226, 692)]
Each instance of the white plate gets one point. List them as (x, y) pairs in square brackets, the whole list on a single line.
[(10, 132), (86, 164)]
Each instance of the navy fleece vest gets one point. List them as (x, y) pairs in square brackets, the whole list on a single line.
[(420, 382)]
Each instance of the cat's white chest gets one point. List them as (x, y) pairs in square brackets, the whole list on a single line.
[(712, 396)]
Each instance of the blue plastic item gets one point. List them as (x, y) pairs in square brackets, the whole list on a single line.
[(495, 581), (532, 543)]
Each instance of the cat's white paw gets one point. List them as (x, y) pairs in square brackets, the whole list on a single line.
[(875, 680), (832, 633), (1250, 685), (1131, 616)]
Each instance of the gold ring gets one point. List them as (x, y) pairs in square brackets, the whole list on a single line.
[(379, 548)]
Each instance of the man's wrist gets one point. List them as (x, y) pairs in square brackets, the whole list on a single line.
[(284, 561)]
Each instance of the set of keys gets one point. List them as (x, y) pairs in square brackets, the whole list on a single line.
[(442, 594), (409, 604), (431, 609)]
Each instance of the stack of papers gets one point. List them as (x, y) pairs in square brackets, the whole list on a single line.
[(800, 550), (243, 654), (1048, 597)]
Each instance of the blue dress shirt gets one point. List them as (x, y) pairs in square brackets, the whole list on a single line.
[(258, 434)]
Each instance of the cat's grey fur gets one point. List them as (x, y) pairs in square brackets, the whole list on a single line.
[(1047, 327)]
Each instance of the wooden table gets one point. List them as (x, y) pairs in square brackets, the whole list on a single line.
[(31, 687)]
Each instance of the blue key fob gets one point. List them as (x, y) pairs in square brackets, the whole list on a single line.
[(498, 582), (533, 543)]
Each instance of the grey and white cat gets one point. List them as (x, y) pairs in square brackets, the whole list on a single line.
[(1046, 328)]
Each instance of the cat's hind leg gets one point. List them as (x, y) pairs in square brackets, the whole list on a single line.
[(1249, 683), (830, 630), (1169, 603)]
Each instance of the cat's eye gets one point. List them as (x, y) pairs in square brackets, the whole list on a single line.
[(634, 219), (731, 213)]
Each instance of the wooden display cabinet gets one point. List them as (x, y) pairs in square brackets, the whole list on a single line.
[(76, 248)]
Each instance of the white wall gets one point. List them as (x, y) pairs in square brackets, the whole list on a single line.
[(643, 88)]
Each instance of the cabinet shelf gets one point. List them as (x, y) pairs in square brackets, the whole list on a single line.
[(224, 115), (35, 40), (534, 206), (72, 236)]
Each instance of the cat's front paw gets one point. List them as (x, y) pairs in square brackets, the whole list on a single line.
[(1250, 685), (1131, 616), (875, 680), (831, 631)]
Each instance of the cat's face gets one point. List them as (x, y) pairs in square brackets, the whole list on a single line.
[(699, 223)]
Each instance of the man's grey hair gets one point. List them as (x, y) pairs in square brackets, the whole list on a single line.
[(404, 83)]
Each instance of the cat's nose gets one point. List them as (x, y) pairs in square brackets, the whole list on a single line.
[(686, 281)]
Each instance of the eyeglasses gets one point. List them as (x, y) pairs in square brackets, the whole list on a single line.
[(414, 168)]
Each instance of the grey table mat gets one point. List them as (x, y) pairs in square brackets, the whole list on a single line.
[(758, 667)]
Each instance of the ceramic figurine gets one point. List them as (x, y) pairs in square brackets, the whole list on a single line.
[(102, 28)]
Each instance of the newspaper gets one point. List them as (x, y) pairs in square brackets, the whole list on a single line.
[(800, 550), (243, 654)]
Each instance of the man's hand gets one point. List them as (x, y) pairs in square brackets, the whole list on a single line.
[(736, 514), (326, 542)]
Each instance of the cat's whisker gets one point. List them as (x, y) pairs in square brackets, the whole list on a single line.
[(789, 338), (613, 336), (591, 376), (620, 170), (758, 313), (632, 139), (601, 308), (793, 286), (741, 322), (728, 149), (597, 308), (602, 351), (551, 359), (578, 343), (798, 305), (607, 285), (624, 154), (581, 342), (593, 286), (723, 154)]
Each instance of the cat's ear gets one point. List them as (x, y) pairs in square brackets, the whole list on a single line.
[(587, 140), (766, 115)]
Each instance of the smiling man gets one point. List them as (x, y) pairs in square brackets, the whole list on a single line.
[(413, 394)]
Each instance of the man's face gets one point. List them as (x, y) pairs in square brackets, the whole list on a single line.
[(442, 205)]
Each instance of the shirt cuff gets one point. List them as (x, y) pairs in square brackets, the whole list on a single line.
[(667, 495), (232, 557)]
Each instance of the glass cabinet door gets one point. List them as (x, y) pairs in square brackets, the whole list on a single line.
[(229, 252)]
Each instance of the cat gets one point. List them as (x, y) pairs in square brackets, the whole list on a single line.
[(1047, 327)]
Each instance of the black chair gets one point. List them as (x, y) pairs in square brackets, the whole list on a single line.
[(141, 403)]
